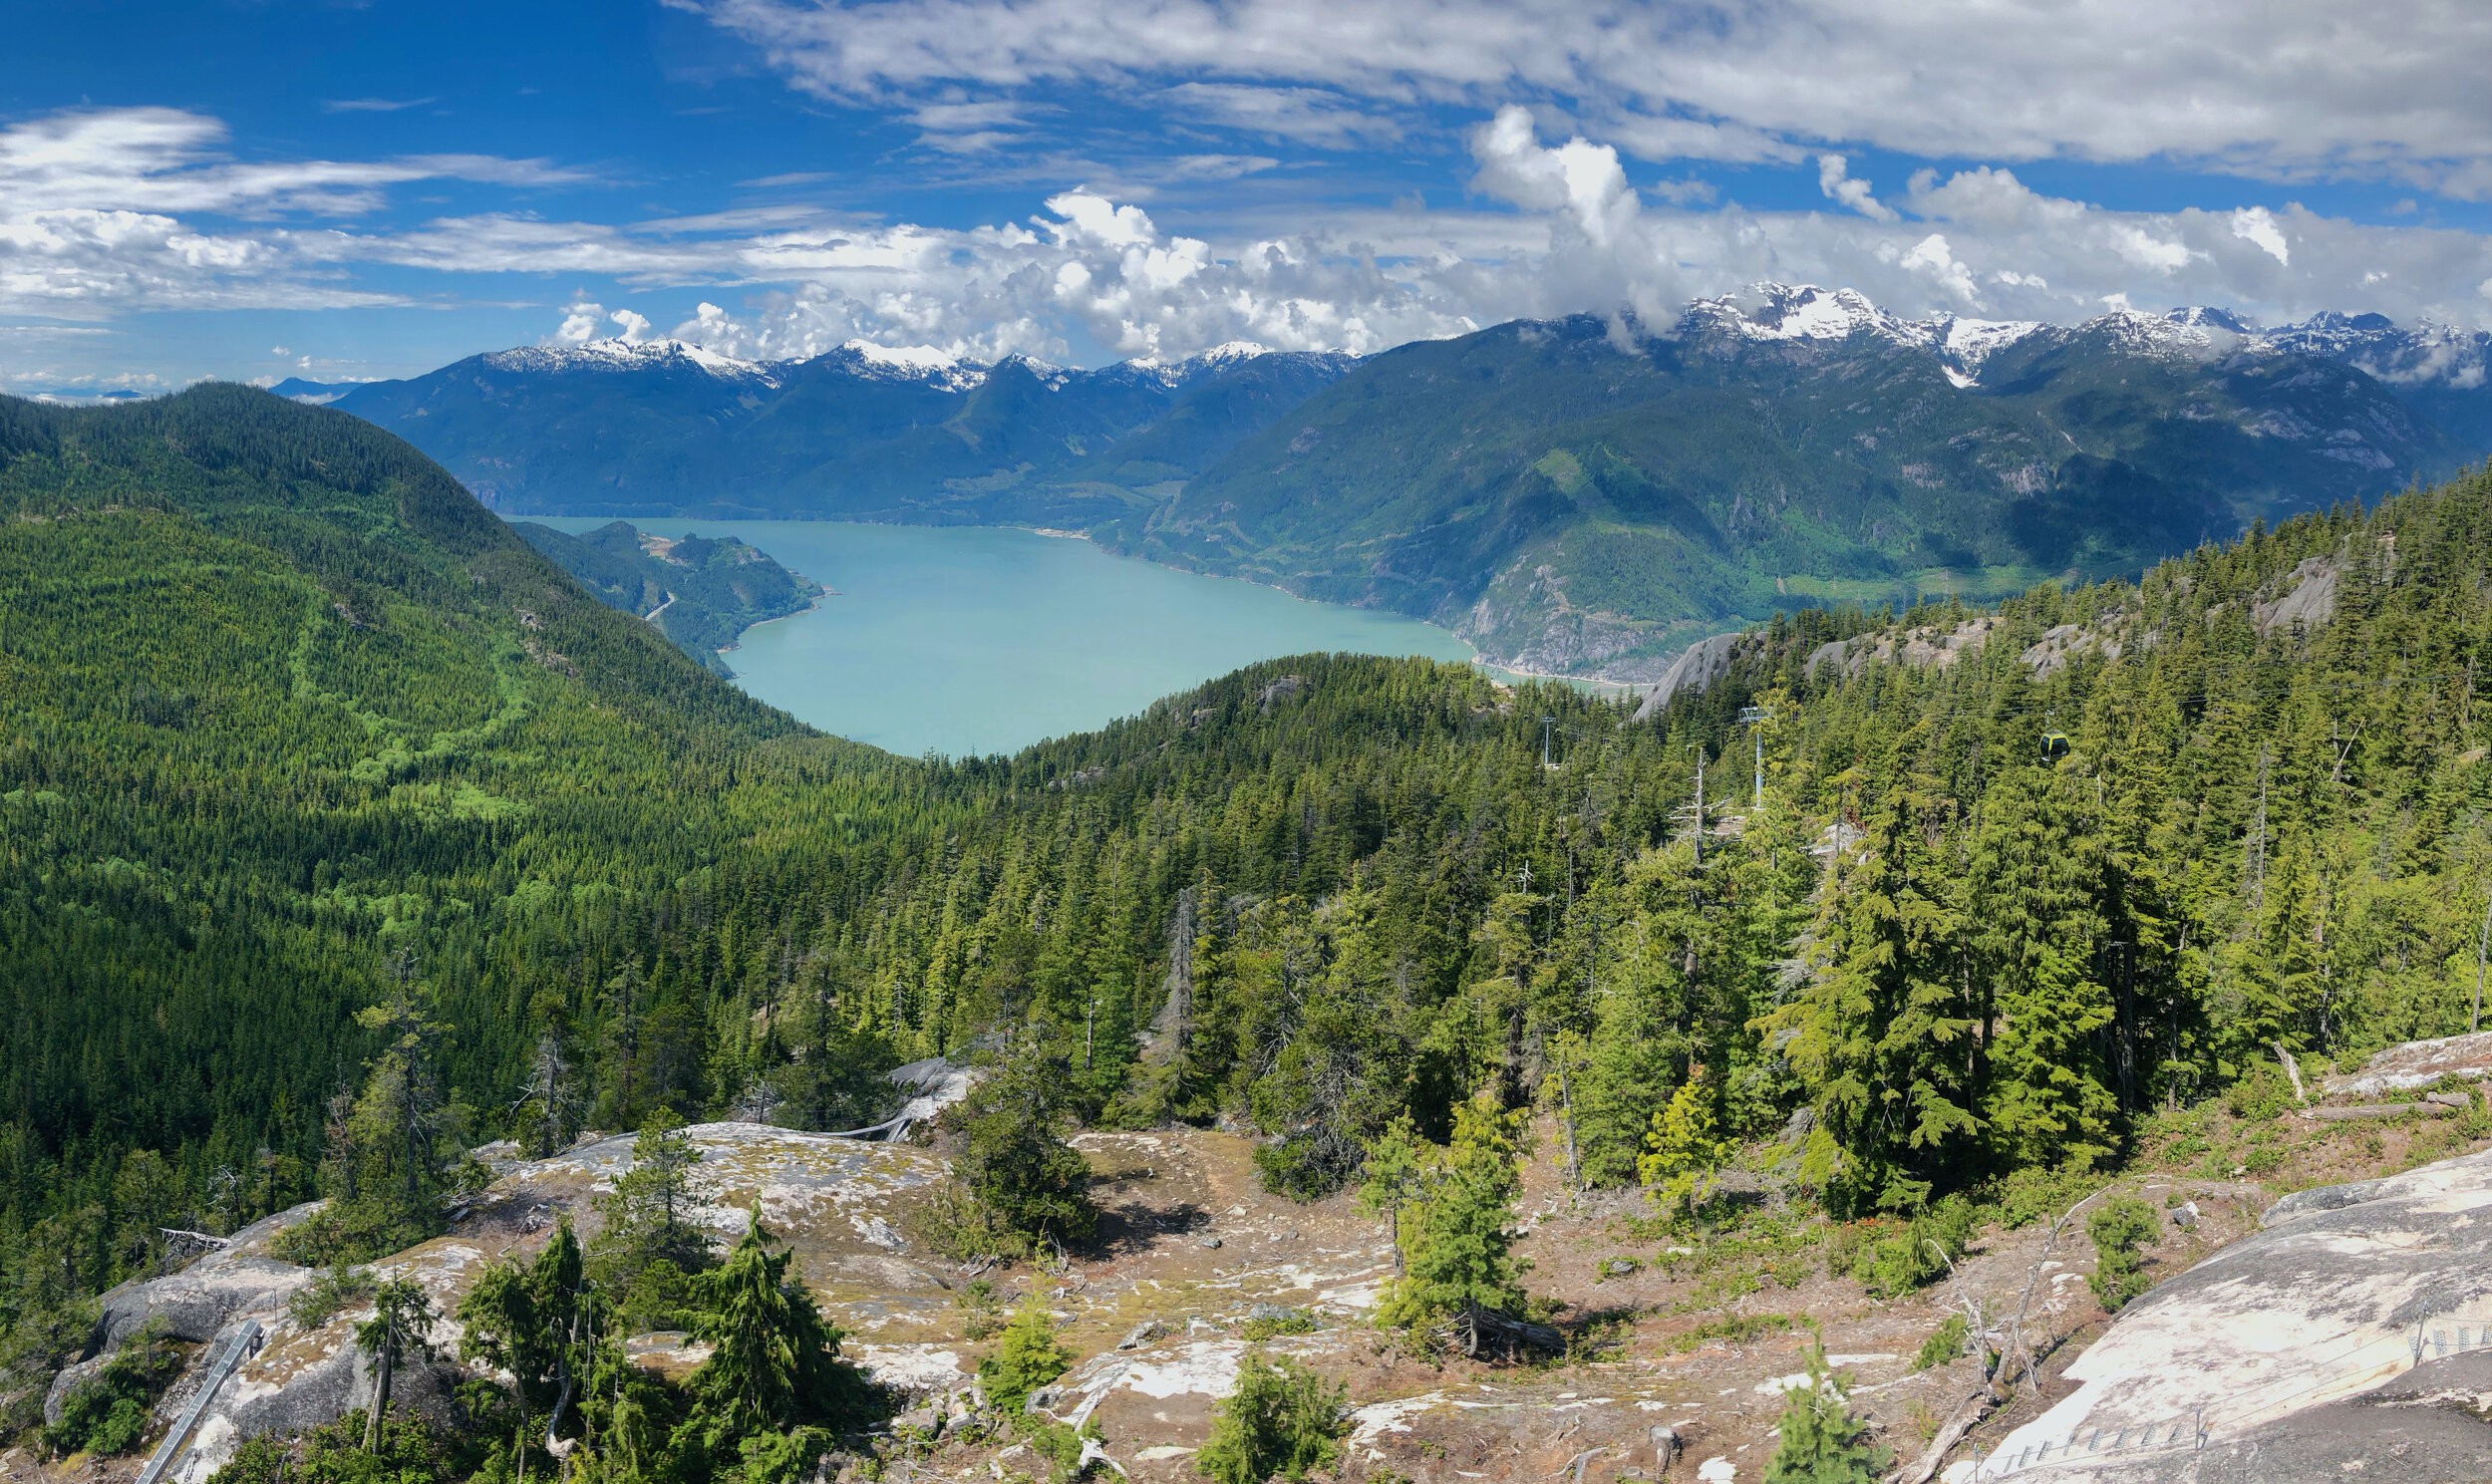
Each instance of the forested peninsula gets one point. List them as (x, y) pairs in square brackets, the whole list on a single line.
[(343, 835)]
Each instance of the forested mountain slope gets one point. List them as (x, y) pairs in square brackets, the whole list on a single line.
[(663, 428), (1572, 499), (701, 592)]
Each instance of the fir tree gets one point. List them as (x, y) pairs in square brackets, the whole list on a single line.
[(1026, 1358), (1821, 1441), (1457, 1249), (1279, 1423)]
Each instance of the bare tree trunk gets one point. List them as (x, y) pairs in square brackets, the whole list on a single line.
[(381, 1398), (1960, 1421)]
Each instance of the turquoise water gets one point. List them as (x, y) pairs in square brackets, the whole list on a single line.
[(972, 640)]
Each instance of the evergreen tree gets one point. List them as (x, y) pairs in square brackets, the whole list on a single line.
[(774, 1361), (401, 1327), (1456, 1250), (1682, 1150), (1279, 1423), (1821, 1442), (650, 1244)]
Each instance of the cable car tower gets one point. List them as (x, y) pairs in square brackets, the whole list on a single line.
[(1750, 716)]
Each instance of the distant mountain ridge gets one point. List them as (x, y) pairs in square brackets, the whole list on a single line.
[(1572, 496), (664, 427)]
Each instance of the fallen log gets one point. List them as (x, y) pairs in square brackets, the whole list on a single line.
[(2378, 1110), (1951, 1432), (1480, 1327)]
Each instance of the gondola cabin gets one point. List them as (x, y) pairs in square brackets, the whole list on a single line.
[(2054, 746)]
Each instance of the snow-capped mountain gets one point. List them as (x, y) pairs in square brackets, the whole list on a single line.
[(616, 357), (1562, 492)]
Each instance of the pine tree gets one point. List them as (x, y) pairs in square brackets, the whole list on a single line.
[(774, 1361), (1279, 1421), (1681, 1151), (401, 1327), (1881, 1030)]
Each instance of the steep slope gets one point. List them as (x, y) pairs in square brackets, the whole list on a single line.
[(1571, 503), (282, 702)]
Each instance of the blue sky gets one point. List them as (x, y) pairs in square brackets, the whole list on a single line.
[(256, 188)]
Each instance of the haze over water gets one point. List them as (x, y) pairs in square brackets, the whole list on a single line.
[(974, 640)]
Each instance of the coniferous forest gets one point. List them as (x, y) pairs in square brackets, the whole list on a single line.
[(341, 832)]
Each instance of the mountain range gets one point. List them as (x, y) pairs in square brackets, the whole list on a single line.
[(1579, 496)]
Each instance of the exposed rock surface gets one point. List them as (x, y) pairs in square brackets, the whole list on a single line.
[(2416, 1063), (1925, 646), (2347, 1288), (1699, 666), (2308, 594)]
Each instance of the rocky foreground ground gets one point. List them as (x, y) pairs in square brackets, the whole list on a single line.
[(2347, 1335)]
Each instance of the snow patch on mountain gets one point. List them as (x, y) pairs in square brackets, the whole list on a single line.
[(612, 355), (912, 363), (1790, 312)]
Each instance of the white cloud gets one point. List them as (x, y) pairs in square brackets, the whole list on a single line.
[(2284, 88), (1835, 181), (580, 323), (2258, 224)]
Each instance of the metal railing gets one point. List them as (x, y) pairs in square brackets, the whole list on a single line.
[(245, 1341)]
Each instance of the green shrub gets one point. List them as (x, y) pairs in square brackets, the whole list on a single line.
[(2119, 1229), (409, 1452), (1739, 1328), (1271, 1326), (332, 1288), (106, 1414), (982, 1313), (1898, 1265), (1944, 1344), (2259, 1093), (1281, 1422), (1061, 1446), (1027, 1358)]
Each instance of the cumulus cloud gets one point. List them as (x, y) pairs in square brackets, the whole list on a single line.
[(1556, 224), (1834, 179), (2285, 89), (580, 323)]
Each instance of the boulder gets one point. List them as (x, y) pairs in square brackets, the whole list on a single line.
[(2415, 1063), (73, 1375), (236, 1281)]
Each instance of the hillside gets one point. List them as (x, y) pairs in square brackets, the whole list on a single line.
[(702, 593), (342, 839)]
